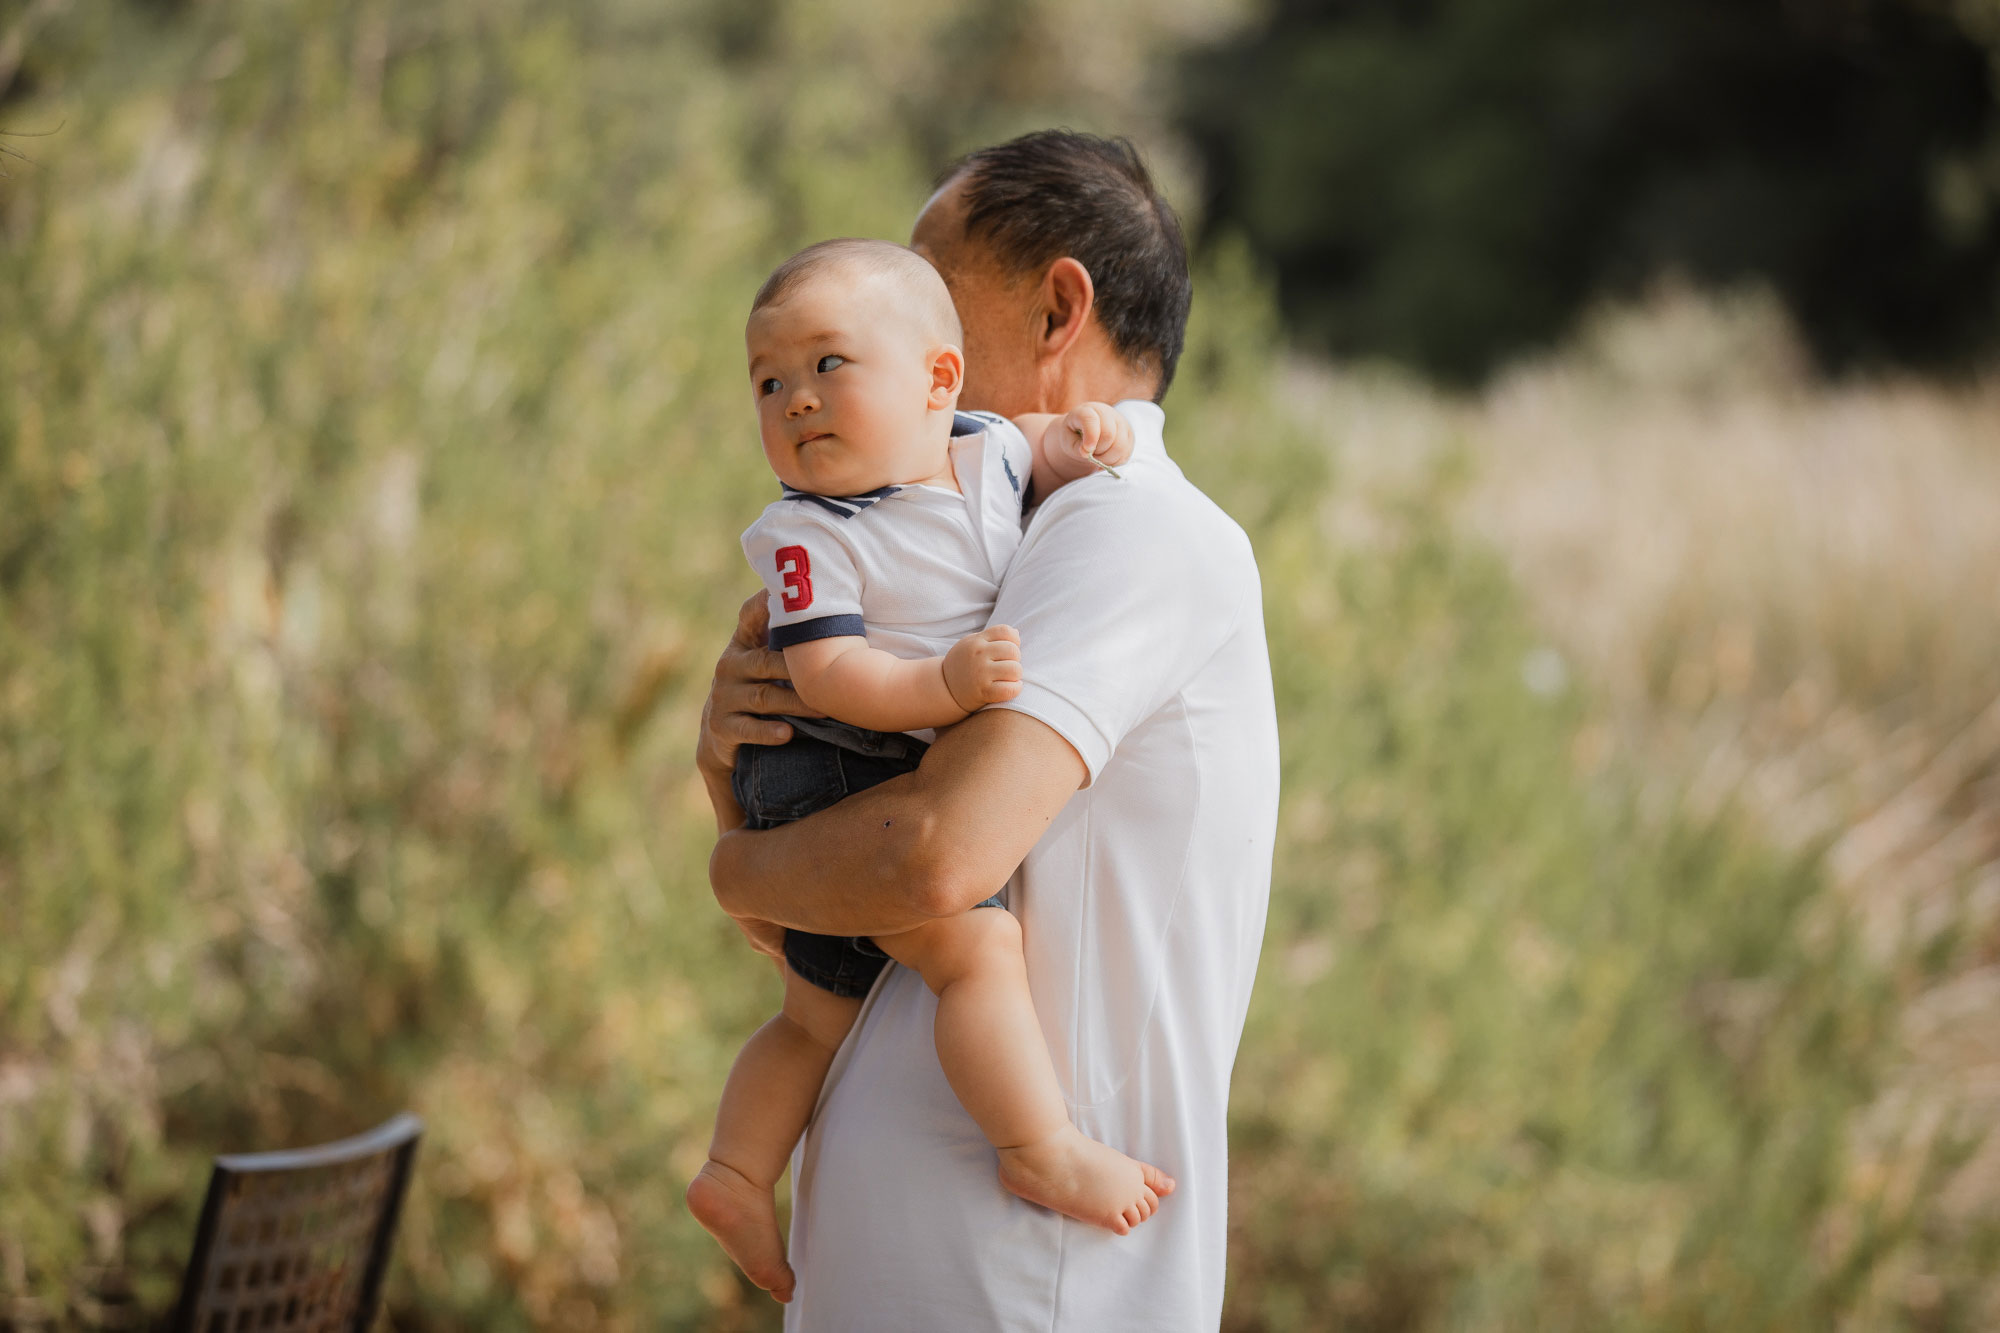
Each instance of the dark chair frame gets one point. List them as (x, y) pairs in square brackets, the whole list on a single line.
[(395, 1139)]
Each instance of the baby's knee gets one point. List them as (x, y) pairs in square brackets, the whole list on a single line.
[(994, 928), (959, 948), (983, 938)]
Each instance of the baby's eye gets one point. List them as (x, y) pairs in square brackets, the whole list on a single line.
[(829, 361), (767, 386)]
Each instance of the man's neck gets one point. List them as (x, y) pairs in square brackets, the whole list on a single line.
[(1093, 374)]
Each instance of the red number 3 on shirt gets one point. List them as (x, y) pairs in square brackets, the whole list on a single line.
[(795, 568)]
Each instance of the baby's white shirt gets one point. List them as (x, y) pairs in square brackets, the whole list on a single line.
[(912, 568)]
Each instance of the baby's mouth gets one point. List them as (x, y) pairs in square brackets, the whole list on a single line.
[(810, 436)]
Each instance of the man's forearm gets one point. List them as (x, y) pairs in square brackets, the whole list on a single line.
[(854, 869), (920, 846)]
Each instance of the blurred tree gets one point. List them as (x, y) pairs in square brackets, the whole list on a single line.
[(1447, 181)]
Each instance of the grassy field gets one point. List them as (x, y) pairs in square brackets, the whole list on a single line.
[(371, 459)]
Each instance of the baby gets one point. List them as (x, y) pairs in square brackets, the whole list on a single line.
[(883, 560)]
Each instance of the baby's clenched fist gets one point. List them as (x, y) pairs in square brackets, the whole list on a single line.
[(1091, 434), (984, 668)]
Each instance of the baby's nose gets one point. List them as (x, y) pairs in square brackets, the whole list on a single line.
[(801, 404)]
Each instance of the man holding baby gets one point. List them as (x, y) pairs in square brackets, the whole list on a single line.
[(1126, 798)]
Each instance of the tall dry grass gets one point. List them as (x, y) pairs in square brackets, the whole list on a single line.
[(1789, 596), (1782, 597)]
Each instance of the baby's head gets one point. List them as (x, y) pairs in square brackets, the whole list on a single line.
[(856, 367)]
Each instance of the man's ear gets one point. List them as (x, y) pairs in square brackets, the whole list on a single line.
[(947, 376), (1067, 298)]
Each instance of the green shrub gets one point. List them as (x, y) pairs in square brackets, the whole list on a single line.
[(371, 462)]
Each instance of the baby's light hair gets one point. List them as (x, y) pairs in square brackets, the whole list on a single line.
[(929, 298)]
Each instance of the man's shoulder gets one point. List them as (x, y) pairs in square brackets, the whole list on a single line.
[(1152, 505)]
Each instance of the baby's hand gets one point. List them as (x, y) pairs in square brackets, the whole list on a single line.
[(1092, 434), (984, 668)]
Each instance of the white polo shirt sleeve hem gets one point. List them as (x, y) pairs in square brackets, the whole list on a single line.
[(1066, 720)]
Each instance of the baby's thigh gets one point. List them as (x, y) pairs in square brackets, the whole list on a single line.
[(822, 1015), (973, 942)]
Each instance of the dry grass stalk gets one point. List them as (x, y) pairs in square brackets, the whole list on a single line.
[(1789, 594)]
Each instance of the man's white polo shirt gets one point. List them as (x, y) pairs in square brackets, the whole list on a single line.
[(1143, 908)]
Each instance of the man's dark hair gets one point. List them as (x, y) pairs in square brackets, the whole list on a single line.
[(1053, 193)]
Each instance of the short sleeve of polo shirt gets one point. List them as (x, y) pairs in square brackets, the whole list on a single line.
[(1120, 591), (810, 576)]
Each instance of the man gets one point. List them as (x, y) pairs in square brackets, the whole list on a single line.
[(1133, 782)]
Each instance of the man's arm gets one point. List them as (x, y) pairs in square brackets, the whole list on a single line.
[(924, 845)]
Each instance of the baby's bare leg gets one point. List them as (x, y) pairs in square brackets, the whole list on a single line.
[(765, 1106), (992, 1052)]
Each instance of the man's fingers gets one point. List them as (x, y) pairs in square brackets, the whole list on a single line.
[(773, 696), (750, 679), (768, 698), (742, 665), (744, 729), (764, 664), (734, 729), (753, 680), (753, 622)]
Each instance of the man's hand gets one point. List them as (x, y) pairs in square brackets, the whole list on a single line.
[(750, 688), (984, 668), (750, 682)]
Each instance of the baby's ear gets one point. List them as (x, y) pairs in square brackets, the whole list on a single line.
[(947, 375)]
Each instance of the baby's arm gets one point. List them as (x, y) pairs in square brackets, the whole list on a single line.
[(865, 687), (1065, 446)]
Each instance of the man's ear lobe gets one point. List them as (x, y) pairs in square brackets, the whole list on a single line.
[(1067, 298), (947, 375)]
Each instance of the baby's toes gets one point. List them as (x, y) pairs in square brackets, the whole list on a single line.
[(1156, 1180)]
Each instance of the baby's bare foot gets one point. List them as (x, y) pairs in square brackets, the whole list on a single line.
[(1081, 1178), (745, 1220)]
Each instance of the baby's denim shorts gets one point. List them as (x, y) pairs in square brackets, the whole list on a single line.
[(822, 762)]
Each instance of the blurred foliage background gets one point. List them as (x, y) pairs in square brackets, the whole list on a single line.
[(372, 450), (1451, 180)]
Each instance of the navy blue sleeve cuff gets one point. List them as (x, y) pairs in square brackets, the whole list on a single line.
[(826, 627)]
